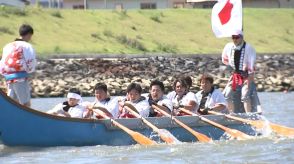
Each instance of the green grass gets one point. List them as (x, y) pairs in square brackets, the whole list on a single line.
[(180, 31)]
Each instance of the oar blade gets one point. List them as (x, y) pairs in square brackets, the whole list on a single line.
[(141, 139), (282, 130), (238, 134), (167, 137), (202, 137)]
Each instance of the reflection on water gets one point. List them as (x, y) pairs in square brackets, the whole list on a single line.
[(268, 148)]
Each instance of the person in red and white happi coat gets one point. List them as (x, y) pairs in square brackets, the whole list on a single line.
[(240, 91), (18, 60)]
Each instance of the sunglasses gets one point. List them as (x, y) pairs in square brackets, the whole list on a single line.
[(235, 37)]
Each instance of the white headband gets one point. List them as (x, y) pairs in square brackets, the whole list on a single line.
[(74, 96)]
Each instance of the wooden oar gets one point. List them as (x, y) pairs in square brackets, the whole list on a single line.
[(232, 132), (139, 138), (201, 137), (163, 133), (279, 129)]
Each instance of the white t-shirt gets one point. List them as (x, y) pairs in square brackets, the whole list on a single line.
[(142, 107), (171, 95), (190, 96), (18, 56), (76, 111), (165, 102), (249, 57), (111, 105), (213, 99)]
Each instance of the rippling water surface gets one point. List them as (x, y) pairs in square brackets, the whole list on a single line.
[(278, 108)]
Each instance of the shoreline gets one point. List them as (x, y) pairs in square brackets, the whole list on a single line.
[(53, 77)]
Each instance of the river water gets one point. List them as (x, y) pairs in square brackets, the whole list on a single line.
[(278, 108)]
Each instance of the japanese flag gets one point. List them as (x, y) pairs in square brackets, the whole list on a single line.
[(226, 17)]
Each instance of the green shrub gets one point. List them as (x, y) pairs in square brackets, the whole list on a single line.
[(96, 36), (156, 18), (108, 33), (56, 14), (133, 43), (6, 30), (6, 11), (167, 48)]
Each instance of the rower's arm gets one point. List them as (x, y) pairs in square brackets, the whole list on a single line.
[(191, 105), (218, 107)]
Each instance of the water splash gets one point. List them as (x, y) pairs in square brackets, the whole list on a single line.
[(266, 130), (156, 137), (169, 135)]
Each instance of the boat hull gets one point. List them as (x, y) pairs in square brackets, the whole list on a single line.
[(22, 126)]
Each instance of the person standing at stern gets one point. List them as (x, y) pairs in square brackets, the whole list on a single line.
[(18, 60), (240, 91)]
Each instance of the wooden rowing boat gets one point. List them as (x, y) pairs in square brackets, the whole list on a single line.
[(23, 126)]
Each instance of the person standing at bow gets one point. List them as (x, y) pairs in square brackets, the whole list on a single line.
[(18, 60), (210, 98), (240, 56)]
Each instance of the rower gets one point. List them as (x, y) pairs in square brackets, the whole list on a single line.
[(71, 107), (156, 96), (102, 101), (134, 97), (210, 98), (183, 98), (189, 82)]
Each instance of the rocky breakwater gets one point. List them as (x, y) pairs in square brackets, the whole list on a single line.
[(54, 77)]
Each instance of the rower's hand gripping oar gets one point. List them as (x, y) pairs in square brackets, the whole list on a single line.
[(278, 129), (232, 132), (139, 138), (165, 135), (201, 137)]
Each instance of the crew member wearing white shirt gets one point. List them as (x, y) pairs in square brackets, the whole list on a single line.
[(183, 97), (156, 96), (102, 99), (189, 82), (71, 107), (134, 97), (210, 98)]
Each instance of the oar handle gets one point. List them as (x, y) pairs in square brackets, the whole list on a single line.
[(204, 119), (201, 137), (233, 132), (231, 117), (112, 121), (138, 137), (154, 128)]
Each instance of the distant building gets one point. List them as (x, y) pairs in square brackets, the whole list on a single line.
[(15, 3), (159, 4), (48, 3)]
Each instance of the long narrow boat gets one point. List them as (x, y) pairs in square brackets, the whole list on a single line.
[(23, 126)]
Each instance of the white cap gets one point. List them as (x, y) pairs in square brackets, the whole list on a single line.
[(237, 32)]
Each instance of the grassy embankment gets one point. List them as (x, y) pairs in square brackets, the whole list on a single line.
[(180, 31)]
